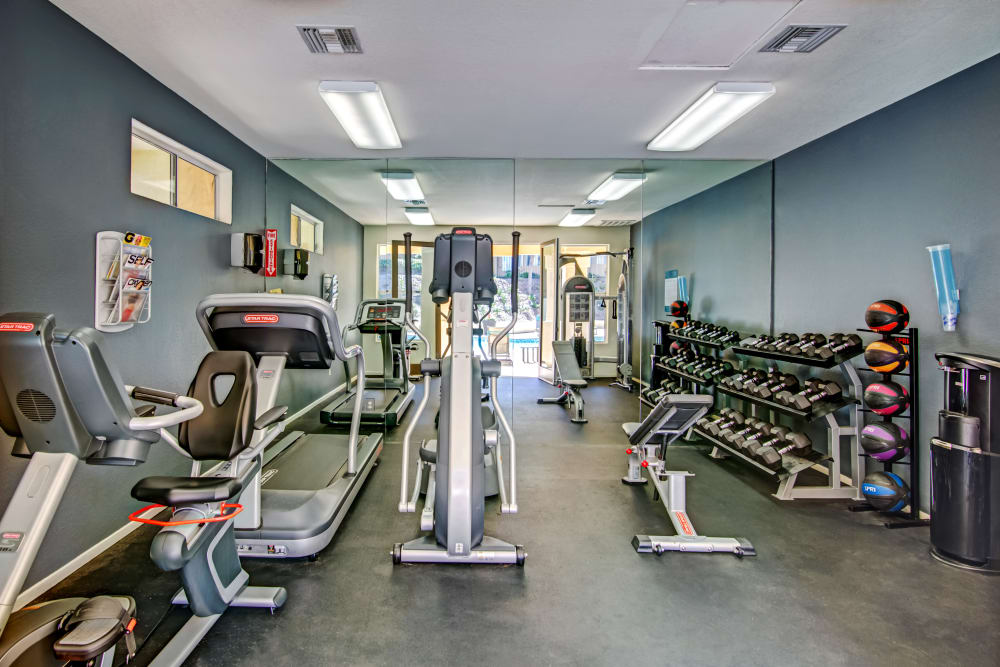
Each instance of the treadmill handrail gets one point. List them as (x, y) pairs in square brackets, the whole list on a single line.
[(321, 308), (329, 317)]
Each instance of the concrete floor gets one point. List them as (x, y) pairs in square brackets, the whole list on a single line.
[(828, 587)]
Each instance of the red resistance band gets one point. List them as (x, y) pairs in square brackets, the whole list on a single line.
[(235, 508)]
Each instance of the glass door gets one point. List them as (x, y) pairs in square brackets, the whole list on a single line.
[(549, 307)]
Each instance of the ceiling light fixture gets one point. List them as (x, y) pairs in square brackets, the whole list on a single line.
[(577, 217), (361, 110), (402, 185), (617, 185), (418, 215), (717, 109)]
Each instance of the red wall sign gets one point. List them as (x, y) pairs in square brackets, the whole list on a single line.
[(270, 253)]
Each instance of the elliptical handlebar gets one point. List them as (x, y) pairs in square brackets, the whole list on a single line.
[(505, 506), (407, 504)]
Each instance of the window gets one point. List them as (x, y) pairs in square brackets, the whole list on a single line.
[(306, 231), (172, 174), (596, 269)]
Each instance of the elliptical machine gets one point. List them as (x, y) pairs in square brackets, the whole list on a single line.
[(463, 274)]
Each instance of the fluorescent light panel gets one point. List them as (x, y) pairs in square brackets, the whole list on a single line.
[(402, 185), (616, 186), (418, 215), (717, 109), (577, 217), (361, 110)]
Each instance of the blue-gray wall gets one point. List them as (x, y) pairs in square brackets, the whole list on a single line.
[(853, 213), (65, 158), (720, 240)]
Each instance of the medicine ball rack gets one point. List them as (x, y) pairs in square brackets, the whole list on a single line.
[(911, 519), (822, 410)]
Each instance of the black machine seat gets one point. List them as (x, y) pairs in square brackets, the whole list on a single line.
[(566, 365), (673, 414), (226, 426), (174, 491)]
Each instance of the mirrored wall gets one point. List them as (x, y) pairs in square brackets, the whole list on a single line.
[(617, 226)]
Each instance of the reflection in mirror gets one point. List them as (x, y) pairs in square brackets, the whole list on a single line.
[(681, 229)]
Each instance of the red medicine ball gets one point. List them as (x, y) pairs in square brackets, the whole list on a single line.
[(679, 309), (887, 316)]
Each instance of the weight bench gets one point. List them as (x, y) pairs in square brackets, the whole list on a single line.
[(569, 379), (670, 418)]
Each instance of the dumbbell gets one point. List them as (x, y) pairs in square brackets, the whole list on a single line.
[(717, 369), (785, 397), (712, 419), (793, 443), (804, 400), (740, 439), (773, 437), (758, 342), (805, 341), (738, 430), (836, 344), (786, 381), (735, 418), (751, 375), (750, 386), (782, 339)]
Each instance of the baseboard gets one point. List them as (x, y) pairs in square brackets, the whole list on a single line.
[(56, 577)]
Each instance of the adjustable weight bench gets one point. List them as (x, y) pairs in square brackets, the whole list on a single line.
[(670, 418), (569, 379)]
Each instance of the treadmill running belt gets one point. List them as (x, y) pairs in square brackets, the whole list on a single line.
[(310, 463)]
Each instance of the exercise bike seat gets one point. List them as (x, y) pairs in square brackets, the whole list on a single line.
[(173, 491), (95, 626), (566, 365)]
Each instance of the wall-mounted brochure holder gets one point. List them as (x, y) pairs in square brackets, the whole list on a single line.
[(122, 281)]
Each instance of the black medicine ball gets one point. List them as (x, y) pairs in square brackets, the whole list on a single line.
[(887, 316)]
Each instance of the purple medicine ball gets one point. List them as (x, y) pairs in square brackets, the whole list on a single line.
[(885, 441)]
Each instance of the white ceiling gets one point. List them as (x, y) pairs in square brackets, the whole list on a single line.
[(504, 192), (533, 78)]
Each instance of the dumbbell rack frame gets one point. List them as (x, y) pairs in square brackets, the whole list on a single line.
[(787, 488), (910, 519), (663, 333)]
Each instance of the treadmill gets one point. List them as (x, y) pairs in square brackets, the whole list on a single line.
[(386, 397), (307, 482)]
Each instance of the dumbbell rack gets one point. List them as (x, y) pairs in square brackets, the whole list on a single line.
[(791, 464), (693, 381), (910, 519), (787, 488), (660, 351)]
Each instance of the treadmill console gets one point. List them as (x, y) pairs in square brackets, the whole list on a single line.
[(382, 312)]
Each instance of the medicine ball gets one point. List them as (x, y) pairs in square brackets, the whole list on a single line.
[(885, 491), (887, 316), (678, 324), (679, 309), (676, 348), (886, 398), (885, 442), (886, 356)]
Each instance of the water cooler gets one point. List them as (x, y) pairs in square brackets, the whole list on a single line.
[(965, 464)]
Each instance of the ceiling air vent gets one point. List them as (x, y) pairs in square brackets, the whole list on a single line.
[(801, 38), (330, 38), (615, 223)]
